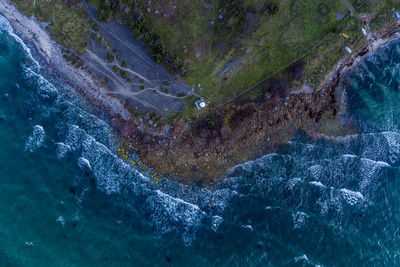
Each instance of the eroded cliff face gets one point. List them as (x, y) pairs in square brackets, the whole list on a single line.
[(288, 61), (202, 152)]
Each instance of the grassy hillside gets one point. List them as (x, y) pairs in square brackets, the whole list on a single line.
[(226, 46), (223, 47), (68, 21)]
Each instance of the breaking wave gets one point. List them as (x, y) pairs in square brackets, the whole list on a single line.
[(323, 190)]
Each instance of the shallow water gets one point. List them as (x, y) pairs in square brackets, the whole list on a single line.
[(67, 199)]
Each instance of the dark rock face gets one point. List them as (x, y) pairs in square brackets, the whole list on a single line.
[(203, 151)]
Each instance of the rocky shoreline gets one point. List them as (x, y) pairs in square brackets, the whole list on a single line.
[(201, 152)]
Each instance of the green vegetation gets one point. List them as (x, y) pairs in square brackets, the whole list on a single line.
[(105, 12), (69, 21), (95, 27), (229, 45), (132, 13), (110, 57), (123, 74)]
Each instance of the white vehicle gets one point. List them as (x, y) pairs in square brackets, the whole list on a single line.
[(364, 32), (348, 50), (200, 104)]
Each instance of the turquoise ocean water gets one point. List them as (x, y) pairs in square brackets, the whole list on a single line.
[(66, 199)]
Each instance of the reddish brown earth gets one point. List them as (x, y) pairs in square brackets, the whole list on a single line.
[(201, 152)]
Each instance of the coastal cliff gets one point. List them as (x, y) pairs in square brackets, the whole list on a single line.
[(153, 110)]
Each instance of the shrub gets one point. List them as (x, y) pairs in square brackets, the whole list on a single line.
[(110, 57), (105, 12), (95, 27), (123, 73)]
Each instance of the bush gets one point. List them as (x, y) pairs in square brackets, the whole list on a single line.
[(124, 64), (105, 15), (123, 74), (230, 16), (110, 57), (119, 58), (105, 12), (95, 27)]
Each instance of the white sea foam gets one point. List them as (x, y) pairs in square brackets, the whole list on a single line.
[(62, 150), (169, 213), (293, 182), (36, 139), (61, 220), (301, 258), (44, 87), (299, 219), (317, 183), (29, 243), (5, 26), (84, 164), (370, 172), (215, 222), (247, 227), (316, 171), (351, 197)]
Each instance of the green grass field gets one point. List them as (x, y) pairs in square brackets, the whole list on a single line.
[(227, 46), (228, 55), (69, 23)]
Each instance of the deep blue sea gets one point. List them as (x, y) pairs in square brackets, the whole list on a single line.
[(67, 199)]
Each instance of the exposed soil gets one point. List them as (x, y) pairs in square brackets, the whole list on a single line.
[(201, 152)]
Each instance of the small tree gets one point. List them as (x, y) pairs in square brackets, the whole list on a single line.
[(105, 13), (110, 57)]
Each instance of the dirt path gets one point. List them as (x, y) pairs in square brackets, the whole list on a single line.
[(147, 79)]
